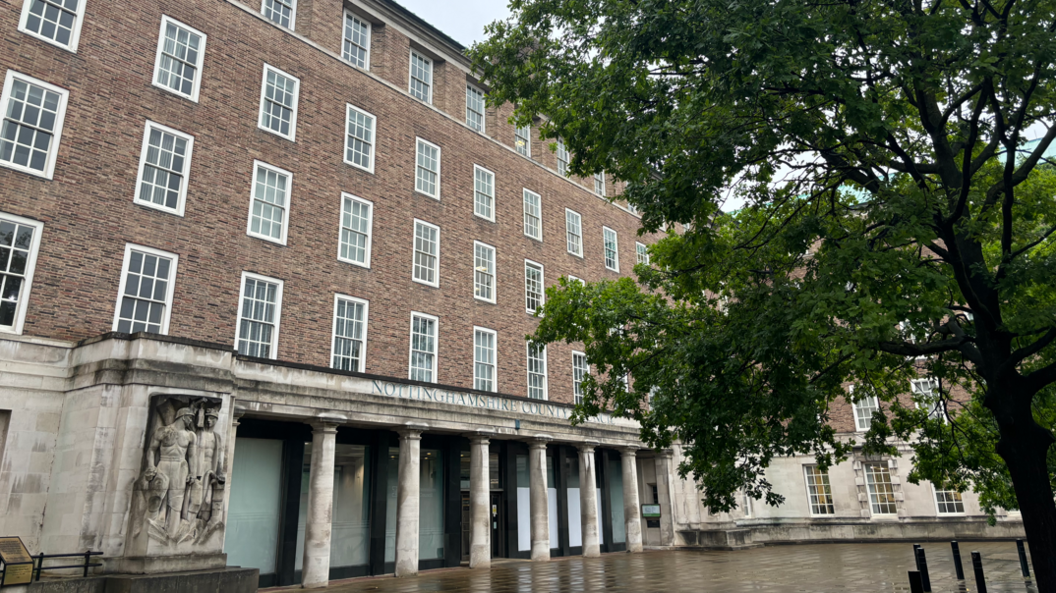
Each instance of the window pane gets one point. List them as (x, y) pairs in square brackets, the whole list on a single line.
[(355, 230), (279, 11), (179, 60), (52, 19), (357, 41), (278, 102), (29, 125), (359, 147), (421, 77), (15, 242), (423, 348), (533, 226), (484, 193), (426, 253), (349, 335)]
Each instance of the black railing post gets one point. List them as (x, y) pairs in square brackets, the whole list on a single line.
[(977, 566), (1023, 566), (957, 561), (38, 566), (915, 584), (922, 564), (87, 560)]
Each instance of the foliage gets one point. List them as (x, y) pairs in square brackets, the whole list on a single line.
[(859, 206)]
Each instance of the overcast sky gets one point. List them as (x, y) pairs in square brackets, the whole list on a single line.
[(463, 20)]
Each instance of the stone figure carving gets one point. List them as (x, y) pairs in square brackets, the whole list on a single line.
[(184, 479)]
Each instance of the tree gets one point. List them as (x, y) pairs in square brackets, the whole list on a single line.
[(893, 223)]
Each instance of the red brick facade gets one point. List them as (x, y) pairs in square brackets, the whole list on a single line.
[(89, 213)]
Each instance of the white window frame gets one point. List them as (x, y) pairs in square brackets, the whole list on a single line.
[(181, 203), (579, 223), (492, 196), (562, 163), (75, 34), (935, 490), (526, 151), (495, 362), (524, 202), (286, 209), (274, 347), (410, 74), (870, 492), (439, 153), (494, 272), (169, 289), (542, 284), (641, 251), (292, 137), (370, 230), (370, 35), (483, 113), (31, 265), (348, 132), (931, 398), (616, 250), (545, 373), (293, 15), (599, 184), (414, 238), (577, 389), (436, 346), (811, 495), (855, 407), (196, 85), (60, 117), (338, 297)]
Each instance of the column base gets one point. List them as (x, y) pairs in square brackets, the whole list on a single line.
[(406, 569), (480, 556), (592, 551), (541, 551)]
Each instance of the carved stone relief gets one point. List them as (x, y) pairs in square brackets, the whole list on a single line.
[(183, 480)]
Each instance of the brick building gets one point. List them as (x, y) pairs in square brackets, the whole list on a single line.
[(295, 221)]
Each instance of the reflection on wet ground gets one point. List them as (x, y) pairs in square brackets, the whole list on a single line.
[(818, 568)]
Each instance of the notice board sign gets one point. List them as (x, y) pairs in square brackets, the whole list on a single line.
[(651, 511), (18, 564)]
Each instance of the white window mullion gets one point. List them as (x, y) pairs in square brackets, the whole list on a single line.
[(612, 249), (642, 252), (483, 193), (357, 223), (421, 79), (423, 362), (356, 48), (33, 112), (259, 311), (144, 298), (19, 245), (881, 488), (533, 216), (178, 64), (523, 140), (484, 359), (580, 370), (533, 286), (359, 139), (426, 268), (475, 108), (164, 165), (349, 352), (819, 492), (279, 94), (483, 271), (427, 169), (562, 158), (280, 12), (537, 387), (574, 232), (57, 22), (269, 206)]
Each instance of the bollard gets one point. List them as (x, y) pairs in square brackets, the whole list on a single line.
[(957, 561), (916, 556), (977, 566), (922, 564), (1022, 559), (915, 584)]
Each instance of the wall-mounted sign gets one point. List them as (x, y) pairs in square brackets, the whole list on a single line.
[(651, 511), (18, 564)]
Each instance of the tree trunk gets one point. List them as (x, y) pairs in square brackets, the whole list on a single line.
[(1024, 446)]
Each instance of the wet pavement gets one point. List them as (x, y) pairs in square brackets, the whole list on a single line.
[(818, 568)]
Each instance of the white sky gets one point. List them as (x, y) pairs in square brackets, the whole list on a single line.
[(463, 20)]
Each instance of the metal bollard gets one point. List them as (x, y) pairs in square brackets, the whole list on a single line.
[(977, 565), (916, 556), (1022, 559), (957, 561), (915, 584), (922, 565)]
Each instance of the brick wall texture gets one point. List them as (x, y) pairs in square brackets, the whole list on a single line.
[(89, 213)]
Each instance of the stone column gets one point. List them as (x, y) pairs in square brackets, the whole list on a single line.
[(479, 502), (407, 502), (539, 506), (588, 500), (229, 460), (316, 571), (631, 511)]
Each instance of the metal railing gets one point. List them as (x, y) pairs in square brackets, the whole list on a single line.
[(38, 562)]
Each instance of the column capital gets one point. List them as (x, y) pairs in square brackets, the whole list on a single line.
[(666, 453), (325, 425), (539, 441), (481, 437), (587, 446), (628, 451), (237, 413), (411, 431)]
